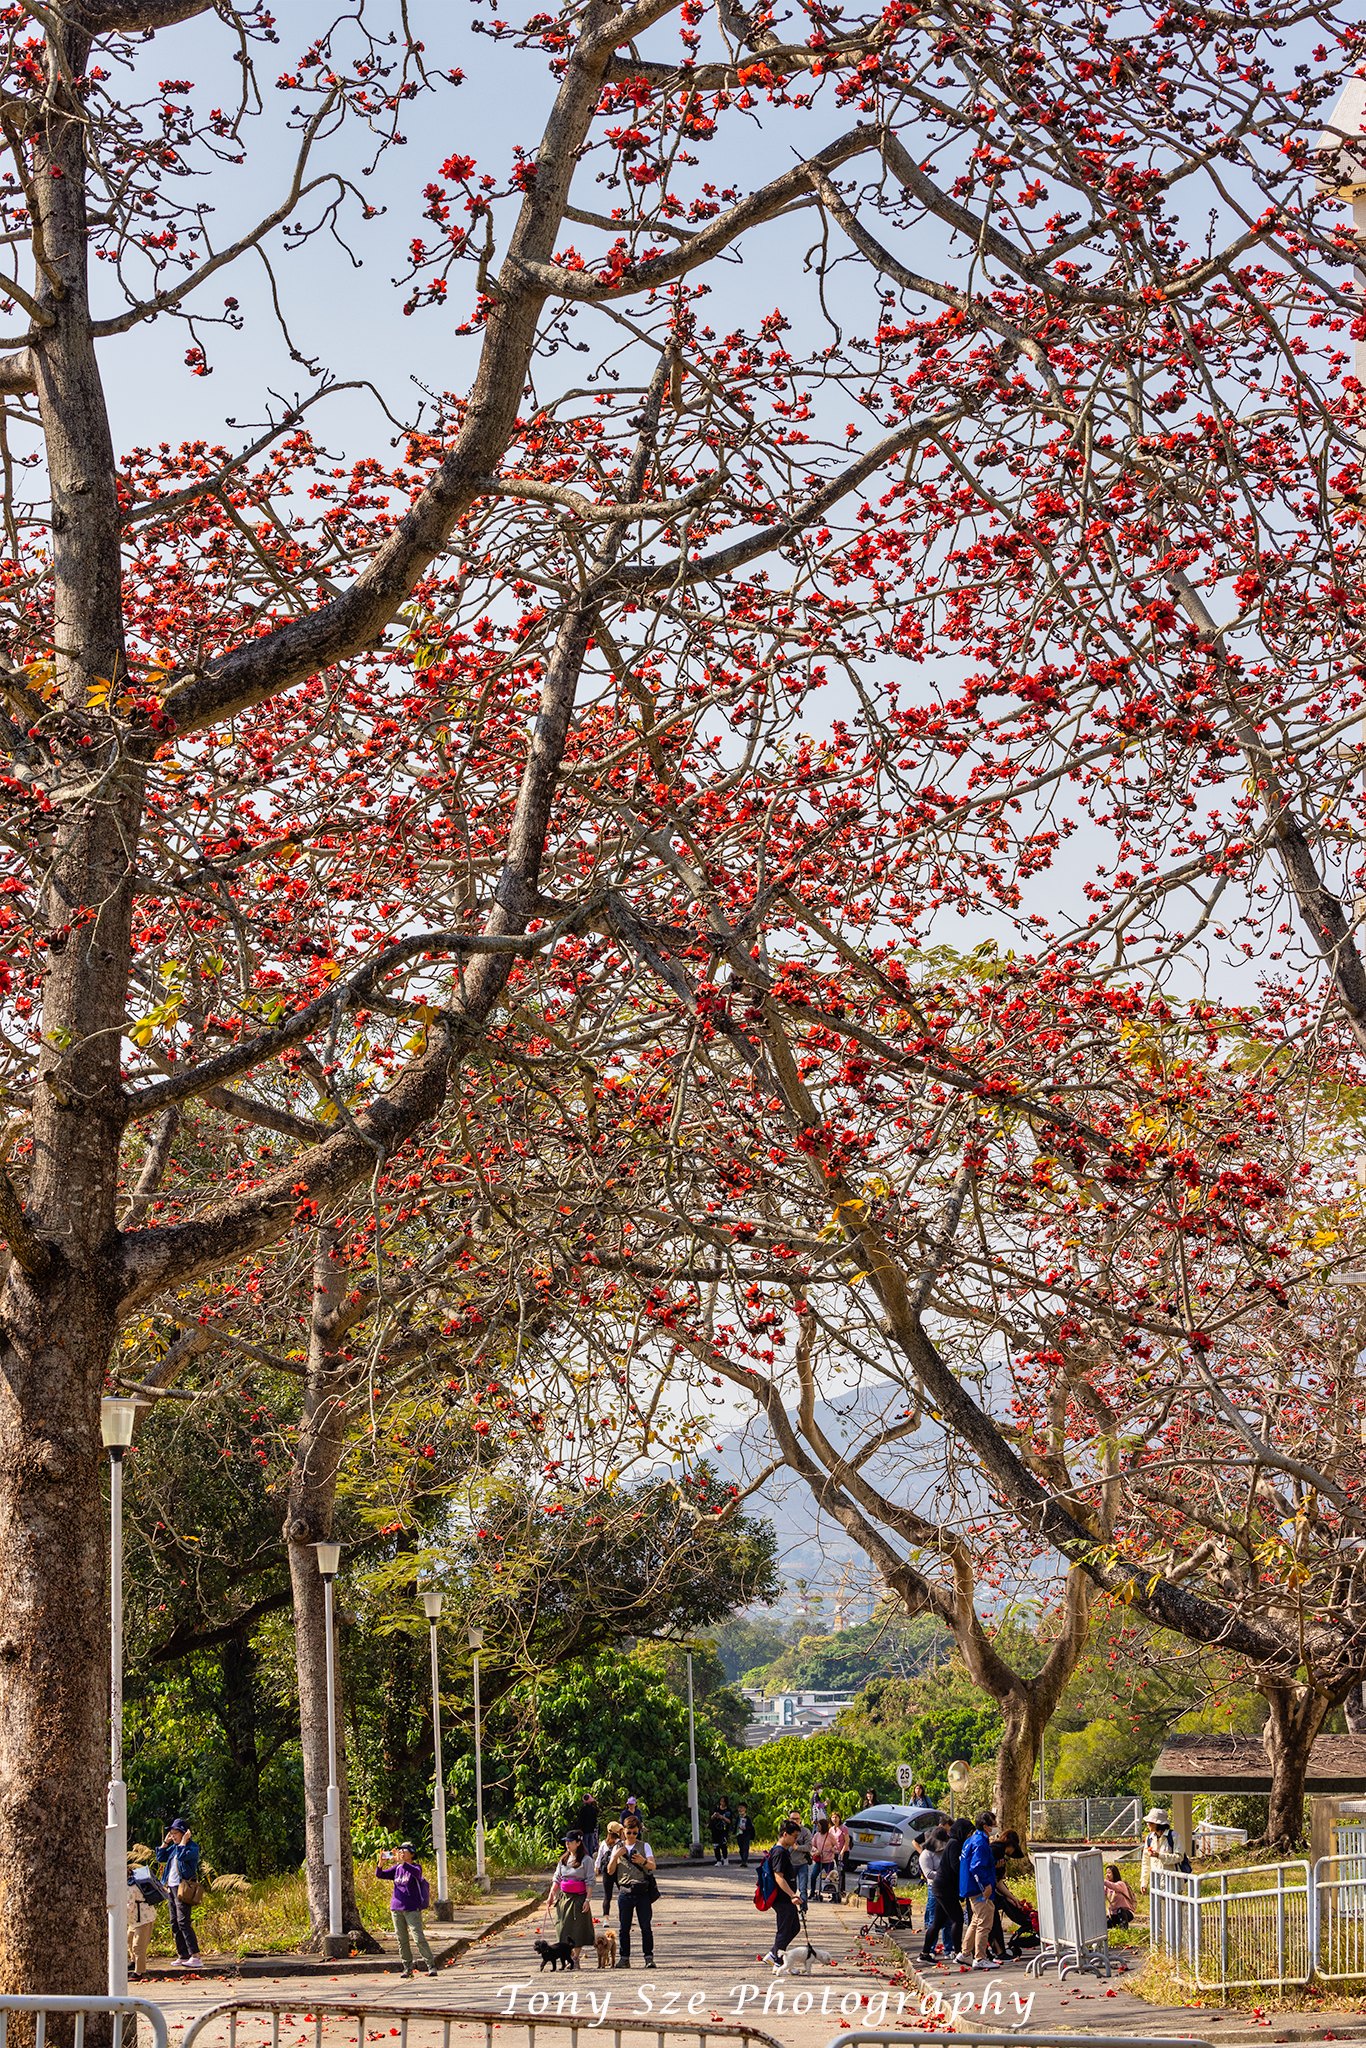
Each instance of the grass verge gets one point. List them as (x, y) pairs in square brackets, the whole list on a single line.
[(1158, 1984), (270, 1916)]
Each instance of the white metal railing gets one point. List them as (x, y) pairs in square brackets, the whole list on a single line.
[(1085, 1820), (78, 2010), (455, 2024), (1340, 1917), (1223, 1929), (971, 2037)]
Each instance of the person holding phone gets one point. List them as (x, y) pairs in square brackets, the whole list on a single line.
[(178, 1857), (632, 1863), (410, 1895)]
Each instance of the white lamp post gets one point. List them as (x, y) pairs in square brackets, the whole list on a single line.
[(476, 1642), (117, 1416), (694, 1817), (329, 1557), (1342, 153), (432, 1603)]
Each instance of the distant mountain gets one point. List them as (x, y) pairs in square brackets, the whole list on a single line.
[(823, 1568)]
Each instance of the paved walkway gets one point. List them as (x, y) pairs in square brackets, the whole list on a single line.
[(708, 1940)]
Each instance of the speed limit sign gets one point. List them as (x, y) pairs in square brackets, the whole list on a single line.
[(904, 1775)]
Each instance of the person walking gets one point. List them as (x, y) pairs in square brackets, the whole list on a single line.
[(633, 1862), (948, 1904), (568, 1896), (631, 1811), (602, 1861), (787, 1913), (838, 1841), (820, 1812), (409, 1895), (144, 1900), (744, 1834), (801, 1856), (919, 1796), (720, 1824), (179, 1860), (977, 1890), (584, 1821)]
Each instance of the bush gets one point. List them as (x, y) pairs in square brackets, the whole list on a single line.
[(778, 1778), (1099, 1759)]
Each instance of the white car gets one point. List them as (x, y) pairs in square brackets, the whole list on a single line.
[(887, 1834)]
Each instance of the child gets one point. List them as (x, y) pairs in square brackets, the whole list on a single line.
[(1119, 1900)]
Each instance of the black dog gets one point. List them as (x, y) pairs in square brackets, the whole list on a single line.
[(558, 1954)]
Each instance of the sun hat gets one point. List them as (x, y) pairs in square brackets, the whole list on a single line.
[(1158, 1815)]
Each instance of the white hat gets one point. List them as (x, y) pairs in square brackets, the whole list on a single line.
[(1156, 1816)]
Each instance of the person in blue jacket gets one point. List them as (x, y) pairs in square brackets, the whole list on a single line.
[(178, 1858), (977, 1890)]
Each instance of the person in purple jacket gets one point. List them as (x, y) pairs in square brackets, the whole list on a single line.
[(405, 1908)]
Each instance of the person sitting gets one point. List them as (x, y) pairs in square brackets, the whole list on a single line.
[(1119, 1899)]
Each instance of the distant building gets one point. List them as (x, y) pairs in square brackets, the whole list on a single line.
[(791, 1713)]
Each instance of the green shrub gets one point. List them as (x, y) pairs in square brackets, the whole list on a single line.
[(778, 1778)]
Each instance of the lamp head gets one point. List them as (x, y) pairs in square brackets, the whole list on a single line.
[(432, 1603), (118, 1412), (476, 1639), (1342, 145), (329, 1557)]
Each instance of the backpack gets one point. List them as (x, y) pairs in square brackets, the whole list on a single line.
[(765, 1886), (424, 1892)]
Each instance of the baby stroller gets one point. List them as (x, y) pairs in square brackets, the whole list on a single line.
[(883, 1904), (1026, 1918)]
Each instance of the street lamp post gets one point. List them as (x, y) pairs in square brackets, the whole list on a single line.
[(117, 1416), (432, 1603), (476, 1642), (329, 1557), (694, 1817)]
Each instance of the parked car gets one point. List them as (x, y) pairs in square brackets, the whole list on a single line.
[(886, 1834)]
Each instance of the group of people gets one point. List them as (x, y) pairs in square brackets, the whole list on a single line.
[(820, 1851), (622, 1862), (968, 1899), (171, 1879)]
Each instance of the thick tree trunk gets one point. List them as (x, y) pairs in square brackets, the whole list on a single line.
[(53, 1638), (1017, 1760), (58, 1303), (1295, 1716)]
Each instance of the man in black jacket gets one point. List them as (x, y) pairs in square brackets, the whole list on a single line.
[(787, 1919)]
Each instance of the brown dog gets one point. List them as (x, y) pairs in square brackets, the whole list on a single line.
[(606, 1946)]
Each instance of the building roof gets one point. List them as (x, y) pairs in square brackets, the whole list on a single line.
[(1238, 1763)]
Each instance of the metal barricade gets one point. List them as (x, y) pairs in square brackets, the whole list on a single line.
[(79, 2010), (970, 2037), (308, 2019), (1112, 1819), (1340, 1916), (1222, 1930)]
